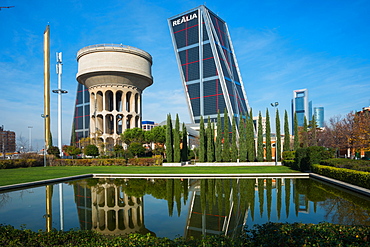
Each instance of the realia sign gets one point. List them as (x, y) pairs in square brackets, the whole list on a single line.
[(184, 18)]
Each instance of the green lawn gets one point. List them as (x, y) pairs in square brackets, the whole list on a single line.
[(23, 175)]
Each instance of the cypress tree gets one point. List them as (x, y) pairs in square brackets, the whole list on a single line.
[(218, 151), (210, 142), (176, 141), (259, 139), (169, 140), (184, 150), (286, 146), (268, 137), (250, 136), (313, 131), (305, 133), (296, 134), (226, 146), (278, 136), (202, 141), (234, 142), (242, 140)]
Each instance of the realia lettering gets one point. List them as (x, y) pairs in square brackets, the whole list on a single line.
[(183, 19)]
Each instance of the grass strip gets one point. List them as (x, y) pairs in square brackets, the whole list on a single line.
[(24, 175)]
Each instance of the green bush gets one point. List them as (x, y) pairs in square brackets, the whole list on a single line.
[(20, 163), (269, 234), (306, 157), (359, 165), (142, 161), (288, 155), (358, 178), (289, 163)]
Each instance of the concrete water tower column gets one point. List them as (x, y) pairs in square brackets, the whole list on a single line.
[(116, 76)]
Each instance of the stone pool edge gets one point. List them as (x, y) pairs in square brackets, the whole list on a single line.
[(341, 184)]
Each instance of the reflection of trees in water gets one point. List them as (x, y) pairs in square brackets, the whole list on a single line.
[(340, 206), (341, 211), (4, 199)]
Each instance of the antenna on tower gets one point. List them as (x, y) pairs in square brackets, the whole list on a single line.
[(8, 7)]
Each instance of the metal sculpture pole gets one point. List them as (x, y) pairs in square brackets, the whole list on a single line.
[(59, 91), (47, 85)]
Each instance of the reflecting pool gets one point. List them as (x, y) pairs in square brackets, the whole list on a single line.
[(180, 207)]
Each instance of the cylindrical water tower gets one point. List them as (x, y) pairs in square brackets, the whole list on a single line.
[(116, 76)]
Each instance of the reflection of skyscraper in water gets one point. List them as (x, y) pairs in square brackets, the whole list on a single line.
[(105, 208), (225, 216)]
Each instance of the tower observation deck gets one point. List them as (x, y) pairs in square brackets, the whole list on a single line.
[(115, 76)]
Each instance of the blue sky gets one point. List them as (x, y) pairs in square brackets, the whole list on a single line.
[(281, 46)]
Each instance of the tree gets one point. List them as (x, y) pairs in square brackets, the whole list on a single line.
[(176, 141), (268, 137), (118, 150), (234, 142), (250, 138), (91, 150), (158, 135), (242, 140), (169, 139), (295, 132), (72, 151), (286, 146), (210, 141), (136, 148), (218, 151), (278, 135), (184, 150), (304, 134), (202, 141), (54, 151), (312, 133), (133, 135), (226, 146), (259, 139)]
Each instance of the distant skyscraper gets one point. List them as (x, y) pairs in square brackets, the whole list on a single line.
[(208, 67), (301, 106), (319, 116)]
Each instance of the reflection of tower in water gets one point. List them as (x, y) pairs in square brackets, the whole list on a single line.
[(105, 208)]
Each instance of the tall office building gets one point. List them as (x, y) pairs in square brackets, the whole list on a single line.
[(301, 106), (208, 67), (319, 116), (81, 119)]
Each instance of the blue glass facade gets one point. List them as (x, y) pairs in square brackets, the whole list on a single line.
[(81, 118), (319, 116), (301, 106), (207, 64)]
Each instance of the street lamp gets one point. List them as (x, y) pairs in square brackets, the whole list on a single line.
[(44, 117), (59, 91), (275, 105), (30, 138)]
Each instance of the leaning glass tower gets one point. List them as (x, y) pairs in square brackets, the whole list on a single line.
[(207, 63)]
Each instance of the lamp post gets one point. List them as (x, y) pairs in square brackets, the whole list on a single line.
[(44, 117), (59, 91), (30, 138), (275, 105)]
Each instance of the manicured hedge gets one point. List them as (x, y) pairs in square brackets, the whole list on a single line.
[(142, 161), (88, 162), (358, 178), (359, 165), (19, 163), (269, 234), (298, 234)]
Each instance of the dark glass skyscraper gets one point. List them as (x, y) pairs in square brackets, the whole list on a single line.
[(81, 119), (208, 67), (301, 106)]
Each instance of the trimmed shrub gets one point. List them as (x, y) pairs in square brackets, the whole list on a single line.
[(288, 155), (142, 161), (306, 157), (20, 163), (358, 178), (359, 165)]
